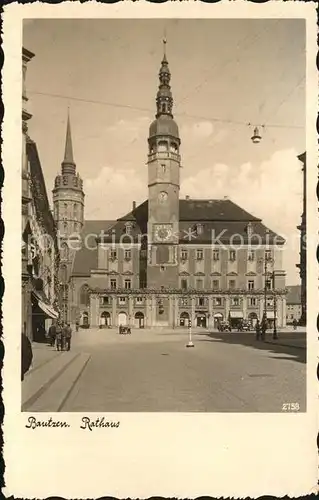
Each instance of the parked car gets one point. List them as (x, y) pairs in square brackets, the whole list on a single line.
[(224, 326)]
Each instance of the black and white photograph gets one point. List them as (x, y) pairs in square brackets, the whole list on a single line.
[(165, 207), (164, 258)]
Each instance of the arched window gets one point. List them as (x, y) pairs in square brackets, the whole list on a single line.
[(75, 211), (162, 146), (84, 295), (173, 147), (65, 208)]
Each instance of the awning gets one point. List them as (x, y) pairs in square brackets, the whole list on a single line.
[(236, 314), (218, 315), (48, 310), (270, 314)]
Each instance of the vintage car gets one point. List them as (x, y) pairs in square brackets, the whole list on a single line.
[(124, 330)]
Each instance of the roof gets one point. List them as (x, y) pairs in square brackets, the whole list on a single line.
[(293, 295), (38, 190), (87, 257), (201, 210), (219, 218)]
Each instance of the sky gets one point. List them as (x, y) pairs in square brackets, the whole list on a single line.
[(228, 75)]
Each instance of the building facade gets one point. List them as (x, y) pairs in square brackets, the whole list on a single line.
[(294, 305), (302, 265), (40, 252), (173, 261)]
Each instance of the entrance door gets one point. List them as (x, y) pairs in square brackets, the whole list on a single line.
[(201, 321), (122, 319), (139, 320)]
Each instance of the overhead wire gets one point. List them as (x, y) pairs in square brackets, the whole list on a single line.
[(148, 110)]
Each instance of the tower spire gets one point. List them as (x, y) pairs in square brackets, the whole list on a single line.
[(164, 99), (68, 165)]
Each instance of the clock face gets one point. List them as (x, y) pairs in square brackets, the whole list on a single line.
[(162, 197), (163, 232)]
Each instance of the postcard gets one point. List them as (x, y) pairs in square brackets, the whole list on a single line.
[(161, 226)]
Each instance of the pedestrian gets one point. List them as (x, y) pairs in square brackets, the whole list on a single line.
[(77, 326), (68, 336), (295, 324), (257, 330), (26, 355), (58, 336), (52, 334)]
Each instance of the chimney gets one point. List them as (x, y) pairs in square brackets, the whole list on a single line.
[(187, 197), (134, 205)]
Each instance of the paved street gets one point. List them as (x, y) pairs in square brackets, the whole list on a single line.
[(154, 371)]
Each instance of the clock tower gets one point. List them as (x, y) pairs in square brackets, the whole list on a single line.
[(163, 188)]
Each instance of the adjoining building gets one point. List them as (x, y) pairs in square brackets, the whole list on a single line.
[(294, 305), (172, 261), (302, 265), (40, 252)]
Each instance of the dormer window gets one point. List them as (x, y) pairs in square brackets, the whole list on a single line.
[(199, 228), (249, 229), (128, 228)]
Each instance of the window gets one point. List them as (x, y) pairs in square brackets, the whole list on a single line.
[(216, 255), (215, 284), (199, 254), (105, 301), (122, 300), (218, 301), (113, 254), (201, 301), (270, 301), (232, 284), (252, 301), (162, 146), (199, 229), (139, 300), (251, 284), (268, 284), (184, 254), (84, 295), (163, 168), (65, 208), (127, 255), (184, 284), (267, 254), (235, 301), (113, 283), (251, 255), (75, 211), (127, 284), (199, 284), (232, 255)]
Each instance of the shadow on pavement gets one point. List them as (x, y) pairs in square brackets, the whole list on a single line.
[(295, 353)]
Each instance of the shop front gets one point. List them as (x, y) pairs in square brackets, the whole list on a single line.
[(236, 318)]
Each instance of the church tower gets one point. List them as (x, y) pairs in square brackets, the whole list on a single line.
[(163, 188), (68, 199)]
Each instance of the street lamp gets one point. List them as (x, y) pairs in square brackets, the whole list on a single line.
[(266, 260), (190, 342)]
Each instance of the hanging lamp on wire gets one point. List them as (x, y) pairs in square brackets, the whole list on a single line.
[(256, 137)]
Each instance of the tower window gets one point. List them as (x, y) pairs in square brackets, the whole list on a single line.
[(75, 211), (162, 146)]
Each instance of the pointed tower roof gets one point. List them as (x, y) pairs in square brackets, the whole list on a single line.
[(164, 123), (68, 165)]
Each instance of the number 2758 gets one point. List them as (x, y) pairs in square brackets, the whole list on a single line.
[(290, 407)]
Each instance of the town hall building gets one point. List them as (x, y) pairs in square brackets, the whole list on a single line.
[(169, 262)]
